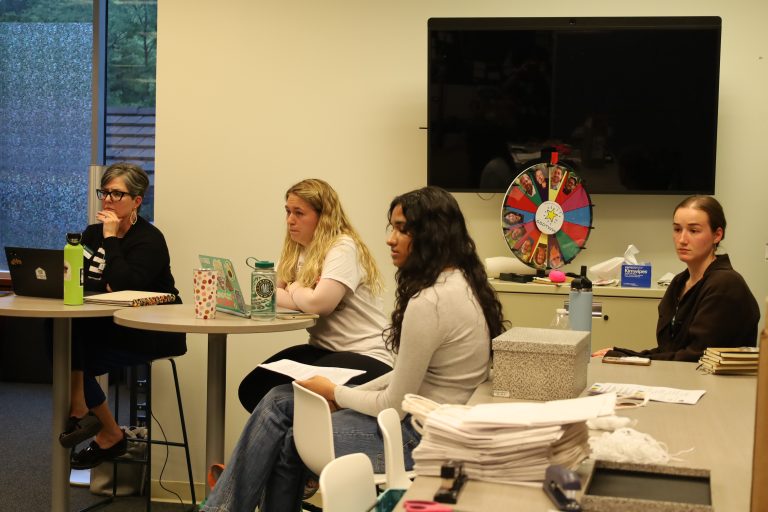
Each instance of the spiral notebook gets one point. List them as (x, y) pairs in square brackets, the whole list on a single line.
[(130, 298)]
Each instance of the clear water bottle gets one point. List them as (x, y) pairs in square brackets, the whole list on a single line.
[(263, 285), (73, 270), (560, 320)]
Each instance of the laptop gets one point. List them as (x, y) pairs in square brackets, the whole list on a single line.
[(229, 296), (36, 272)]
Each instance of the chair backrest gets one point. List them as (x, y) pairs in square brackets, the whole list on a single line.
[(312, 430), (394, 464), (346, 484)]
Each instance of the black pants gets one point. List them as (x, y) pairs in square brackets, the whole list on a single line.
[(260, 381), (99, 346)]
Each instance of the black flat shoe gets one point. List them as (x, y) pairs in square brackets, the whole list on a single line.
[(94, 455), (79, 429)]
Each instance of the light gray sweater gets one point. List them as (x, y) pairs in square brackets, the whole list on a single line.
[(444, 351)]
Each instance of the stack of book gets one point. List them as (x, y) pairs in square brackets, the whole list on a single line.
[(730, 361)]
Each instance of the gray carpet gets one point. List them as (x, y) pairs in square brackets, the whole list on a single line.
[(25, 443)]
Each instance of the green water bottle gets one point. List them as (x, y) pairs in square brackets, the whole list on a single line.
[(73, 270)]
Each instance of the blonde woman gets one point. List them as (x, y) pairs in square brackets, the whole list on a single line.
[(326, 269)]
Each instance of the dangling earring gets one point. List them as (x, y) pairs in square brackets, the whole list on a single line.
[(134, 217)]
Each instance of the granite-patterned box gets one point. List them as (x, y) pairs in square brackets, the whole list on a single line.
[(540, 364)]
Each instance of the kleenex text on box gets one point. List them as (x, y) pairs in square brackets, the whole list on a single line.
[(636, 276)]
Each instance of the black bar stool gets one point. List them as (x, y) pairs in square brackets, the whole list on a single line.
[(146, 407)]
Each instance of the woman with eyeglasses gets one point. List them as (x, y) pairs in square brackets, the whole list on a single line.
[(441, 328), (122, 252), (708, 304)]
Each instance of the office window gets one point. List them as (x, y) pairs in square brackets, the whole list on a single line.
[(131, 59), (46, 52), (45, 120)]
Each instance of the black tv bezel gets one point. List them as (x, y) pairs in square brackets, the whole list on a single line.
[(577, 23)]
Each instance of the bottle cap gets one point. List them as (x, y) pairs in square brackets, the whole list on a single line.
[(74, 238), (263, 264), (582, 282)]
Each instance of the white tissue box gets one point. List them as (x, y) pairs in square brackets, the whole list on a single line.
[(540, 364)]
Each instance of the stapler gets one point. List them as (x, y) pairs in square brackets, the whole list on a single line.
[(561, 484), (453, 479)]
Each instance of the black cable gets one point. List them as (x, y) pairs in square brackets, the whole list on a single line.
[(165, 462)]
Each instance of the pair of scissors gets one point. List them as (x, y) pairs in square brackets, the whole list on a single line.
[(425, 506)]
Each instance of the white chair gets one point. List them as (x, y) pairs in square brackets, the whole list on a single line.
[(312, 428), (313, 431), (347, 484), (394, 464)]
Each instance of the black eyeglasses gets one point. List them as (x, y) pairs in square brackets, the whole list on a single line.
[(115, 195)]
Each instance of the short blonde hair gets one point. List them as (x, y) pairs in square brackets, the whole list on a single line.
[(332, 223)]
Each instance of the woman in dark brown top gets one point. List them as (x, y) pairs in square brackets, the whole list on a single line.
[(707, 305)]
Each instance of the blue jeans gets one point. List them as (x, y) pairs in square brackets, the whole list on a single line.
[(265, 470)]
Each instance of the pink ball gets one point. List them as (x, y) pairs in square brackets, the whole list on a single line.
[(557, 276)]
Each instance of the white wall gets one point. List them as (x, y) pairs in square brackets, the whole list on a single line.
[(254, 95)]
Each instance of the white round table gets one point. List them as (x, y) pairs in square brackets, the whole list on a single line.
[(62, 315), (181, 318)]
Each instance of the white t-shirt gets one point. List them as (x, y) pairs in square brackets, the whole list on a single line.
[(358, 321)]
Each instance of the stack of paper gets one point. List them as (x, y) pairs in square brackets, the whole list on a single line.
[(508, 442), (730, 361)]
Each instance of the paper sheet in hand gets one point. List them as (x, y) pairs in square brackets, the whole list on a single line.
[(657, 394), (301, 371)]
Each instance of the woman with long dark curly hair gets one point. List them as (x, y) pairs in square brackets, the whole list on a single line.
[(445, 316), (440, 241)]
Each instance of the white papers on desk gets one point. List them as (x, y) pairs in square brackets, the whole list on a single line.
[(299, 371), (507, 442), (655, 393)]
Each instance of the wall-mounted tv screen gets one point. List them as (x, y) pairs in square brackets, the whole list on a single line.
[(629, 103)]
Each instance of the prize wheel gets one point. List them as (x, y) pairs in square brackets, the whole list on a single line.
[(546, 216)]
